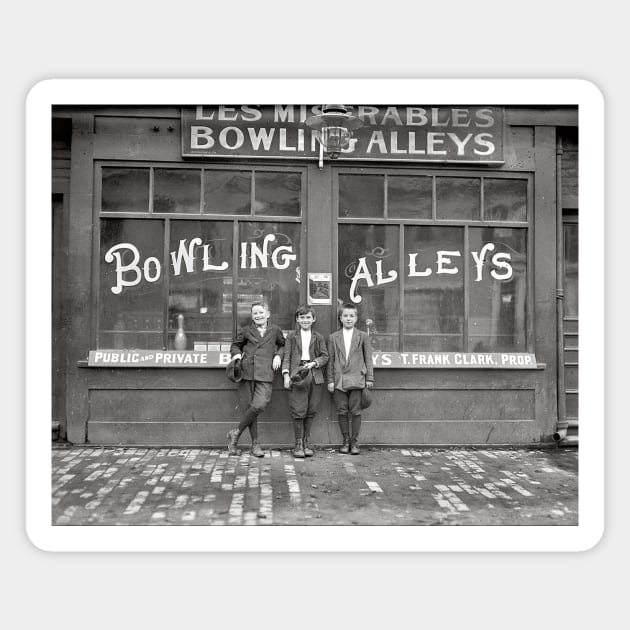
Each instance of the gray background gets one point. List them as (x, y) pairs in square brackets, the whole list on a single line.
[(257, 39)]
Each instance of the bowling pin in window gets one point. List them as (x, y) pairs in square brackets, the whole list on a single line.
[(180, 336)]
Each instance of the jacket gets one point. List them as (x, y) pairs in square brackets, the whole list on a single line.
[(293, 353), (353, 373), (258, 352)]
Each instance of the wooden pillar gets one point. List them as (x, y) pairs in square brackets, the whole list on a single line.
[(544, 274), (78, 288)]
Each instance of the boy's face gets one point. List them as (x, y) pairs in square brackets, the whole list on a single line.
[(305, 321), (260, 315), (348, 318)]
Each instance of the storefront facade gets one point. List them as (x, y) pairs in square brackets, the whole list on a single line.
[(448, 227)]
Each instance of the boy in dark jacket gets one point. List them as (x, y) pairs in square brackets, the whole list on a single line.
[(350, 370), (305, 353), (259, 347)]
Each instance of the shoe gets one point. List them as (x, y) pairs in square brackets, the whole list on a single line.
[(257, 451), (354, 447), (232, 437), (345, 448), (308, 451), (298, 451)]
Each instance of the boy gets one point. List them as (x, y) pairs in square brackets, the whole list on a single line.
[(305, 353), (349, 371), (259, 347)]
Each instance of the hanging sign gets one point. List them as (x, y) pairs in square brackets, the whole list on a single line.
[(416, 133), (320, 288)]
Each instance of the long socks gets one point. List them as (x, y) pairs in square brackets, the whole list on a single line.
[(249, 418), (356, 426), (343, 425), (298, 427)]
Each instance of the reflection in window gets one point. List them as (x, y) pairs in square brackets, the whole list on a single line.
[(458, 198), (571, 270), (377, 246), (201, 290), (409, 197), (176, 190), (277, 194), (269, 271), (361, 195), (498, 290), (125, 189), (505, 199), (227, 192), (434, 302), (131, 318)]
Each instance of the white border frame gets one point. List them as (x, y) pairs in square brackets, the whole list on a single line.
[(324, 538)]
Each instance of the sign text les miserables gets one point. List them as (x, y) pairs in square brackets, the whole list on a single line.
[(391, 133)]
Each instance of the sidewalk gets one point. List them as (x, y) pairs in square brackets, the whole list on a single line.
[(381, 486)]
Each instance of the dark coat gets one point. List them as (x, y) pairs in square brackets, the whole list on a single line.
[(293, 353), (353, 373), (258, 352)]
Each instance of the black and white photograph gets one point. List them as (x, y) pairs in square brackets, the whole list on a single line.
[(323, 316)]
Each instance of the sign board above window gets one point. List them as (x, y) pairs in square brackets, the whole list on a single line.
[(400, 133)]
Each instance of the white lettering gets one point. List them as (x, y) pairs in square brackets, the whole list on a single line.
[(479, 259), (239, 138), (443, 258), (201, 137), (377, 139), (484, 140), (362, 273), (187, 255), (114, 254), (498, 261), (412, 267), (263, 135)]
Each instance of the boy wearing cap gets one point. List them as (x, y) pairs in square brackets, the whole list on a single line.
[(350, 371), (305, 353), (259, 348)]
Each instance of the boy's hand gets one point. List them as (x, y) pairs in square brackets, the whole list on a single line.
[(369, 384), (331, 388), (287, 381), (276, 363)]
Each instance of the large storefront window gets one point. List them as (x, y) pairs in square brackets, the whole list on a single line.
[(198, 272), (436, 263)]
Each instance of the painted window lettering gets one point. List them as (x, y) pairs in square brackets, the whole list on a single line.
[(129, 271), (444, 264)]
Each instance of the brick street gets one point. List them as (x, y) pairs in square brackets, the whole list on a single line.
[(381, 486)]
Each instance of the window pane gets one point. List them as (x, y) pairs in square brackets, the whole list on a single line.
[(505, 199), (227, 192), (277, 194), (200, 284), (458, 198), (364, 249), (125, 189), (269, 271), (361, 195), (131, 316), (498, 290), (177, 190), (570, 269), (434, 302), (409, 197)]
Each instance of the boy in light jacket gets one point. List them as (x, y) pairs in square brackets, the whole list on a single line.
[(349, 371)]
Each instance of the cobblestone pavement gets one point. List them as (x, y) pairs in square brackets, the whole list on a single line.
[(381, 486)]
